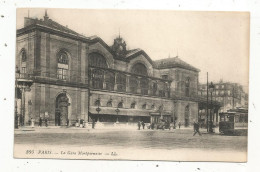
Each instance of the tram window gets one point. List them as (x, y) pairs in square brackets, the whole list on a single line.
[(226, 118), (237, 119), (241, 118), (246, 119), (222, 118)]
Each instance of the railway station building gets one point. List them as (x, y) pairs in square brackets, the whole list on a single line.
[(65, 76)]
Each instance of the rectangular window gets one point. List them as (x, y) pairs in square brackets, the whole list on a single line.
[(23, 70), (161, 93), (62, 73), (164, 76)]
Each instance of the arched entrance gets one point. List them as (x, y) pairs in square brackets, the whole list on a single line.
[(61, 111), (187, 116)]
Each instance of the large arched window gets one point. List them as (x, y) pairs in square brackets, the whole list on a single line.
[(110, 80), (187, 87), (153, 107), (121, 82), (133, 84), (144, 83), (109, 103), (154, 88), (97, 103), (139, 69), (63, 66), (133, 105), (97, 78), (23, 56), (144, 106), (120, 105), (97, 60), (23, 62), (162, 89)]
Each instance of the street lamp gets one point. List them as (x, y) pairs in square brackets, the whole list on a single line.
[(211, 89), (98, 109), (117, 111), (175, 117)]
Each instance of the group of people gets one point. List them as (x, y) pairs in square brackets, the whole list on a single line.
[(196, 127), (141, 123), (41, 122), (80, 123)]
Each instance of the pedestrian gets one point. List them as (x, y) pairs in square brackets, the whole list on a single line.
[(46, 122), (68, 122), (139, 125), (77, 123), (196, 128), (32, 122), (179, 124), (81, 123), (40, 122), (152, 126), (93, 123), (143, 124)]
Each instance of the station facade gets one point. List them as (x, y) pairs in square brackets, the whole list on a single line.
[(64, 76)]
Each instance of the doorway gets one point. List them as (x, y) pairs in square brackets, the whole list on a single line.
[(61, 111)]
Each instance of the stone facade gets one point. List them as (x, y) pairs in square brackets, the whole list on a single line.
[(75, 77), (231, 95)]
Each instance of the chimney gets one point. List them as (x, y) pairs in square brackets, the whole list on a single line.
[(46, 17)]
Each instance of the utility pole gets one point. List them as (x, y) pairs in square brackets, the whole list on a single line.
[(207, 104), (233, 97)]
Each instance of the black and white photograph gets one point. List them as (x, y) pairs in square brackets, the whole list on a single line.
[(131, 84)]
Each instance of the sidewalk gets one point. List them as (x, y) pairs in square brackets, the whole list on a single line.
[(62, 129)]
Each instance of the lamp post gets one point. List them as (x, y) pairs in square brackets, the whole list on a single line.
[(175, 117), (211, 89), (117, 111), (98, 108)]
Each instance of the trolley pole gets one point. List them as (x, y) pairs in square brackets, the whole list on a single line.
[(207, 104)]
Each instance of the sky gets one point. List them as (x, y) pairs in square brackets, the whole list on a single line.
[(214, 42)]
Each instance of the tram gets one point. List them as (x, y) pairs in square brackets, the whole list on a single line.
[(234, 122)]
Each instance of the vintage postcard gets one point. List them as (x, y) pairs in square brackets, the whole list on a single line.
[(131, 85)]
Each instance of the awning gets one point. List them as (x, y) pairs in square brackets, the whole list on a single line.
[(122, 111)]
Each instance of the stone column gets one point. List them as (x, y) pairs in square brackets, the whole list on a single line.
[(157, 90), (128, 83), (150, 87), (139, 85), (90, 78), (104, 82), (169, 89), (115, 86)]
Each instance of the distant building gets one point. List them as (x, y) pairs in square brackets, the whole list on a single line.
[(231, 95), (65, 76)]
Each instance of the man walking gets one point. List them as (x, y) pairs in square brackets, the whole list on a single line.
[(196, 128), (46, 122), (40, 122), (179, 124), (143, 124), (139, 125)]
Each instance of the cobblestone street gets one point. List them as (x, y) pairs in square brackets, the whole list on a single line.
[(169, 142)]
